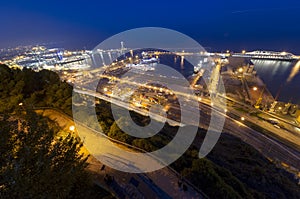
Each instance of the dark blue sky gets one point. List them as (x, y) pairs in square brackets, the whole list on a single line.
[(220, 25)]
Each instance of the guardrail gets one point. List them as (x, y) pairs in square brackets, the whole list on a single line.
[(126, 145)]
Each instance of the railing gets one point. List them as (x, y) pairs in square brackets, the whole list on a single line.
[(127, 145)]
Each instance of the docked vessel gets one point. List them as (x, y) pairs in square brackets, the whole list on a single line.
[(267, 55), (147, 63)]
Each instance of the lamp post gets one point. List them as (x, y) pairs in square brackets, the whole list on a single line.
[(72, 128), (259, 100), (19, 121)]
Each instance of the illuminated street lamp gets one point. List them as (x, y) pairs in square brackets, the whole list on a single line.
[(259, 100), (240, 70), (19, 122), (244, 51), (242, 118), (72, 128), (255, 88)]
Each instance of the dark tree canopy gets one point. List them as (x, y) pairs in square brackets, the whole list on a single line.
[(35, 163), (33, 89)]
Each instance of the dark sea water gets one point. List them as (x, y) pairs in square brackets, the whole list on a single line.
[(281, 77), (184, 66)]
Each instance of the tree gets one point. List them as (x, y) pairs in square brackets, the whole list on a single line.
[(116, 133), (36, 164), (203, 175)]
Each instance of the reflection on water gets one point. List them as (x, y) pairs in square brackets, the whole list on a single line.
[(294, 71), (281, 77), (182, 62)]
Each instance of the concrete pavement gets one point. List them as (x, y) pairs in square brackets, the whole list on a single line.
[(159, 184)]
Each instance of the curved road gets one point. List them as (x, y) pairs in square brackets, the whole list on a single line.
[(268, 146)]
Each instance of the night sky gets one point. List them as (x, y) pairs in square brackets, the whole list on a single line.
[(216, 25)]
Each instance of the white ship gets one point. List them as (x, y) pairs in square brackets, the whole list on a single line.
[(146, 64), (268, 55), (143, 67)]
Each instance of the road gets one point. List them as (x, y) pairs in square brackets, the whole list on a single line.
[(158, 184), (290, 138), (269, 146), (273, 145)]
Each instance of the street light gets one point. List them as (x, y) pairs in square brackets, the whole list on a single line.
[(255, 88), (19, 122), (259, 100), (240, 70), (72, 128), (242, 118)]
